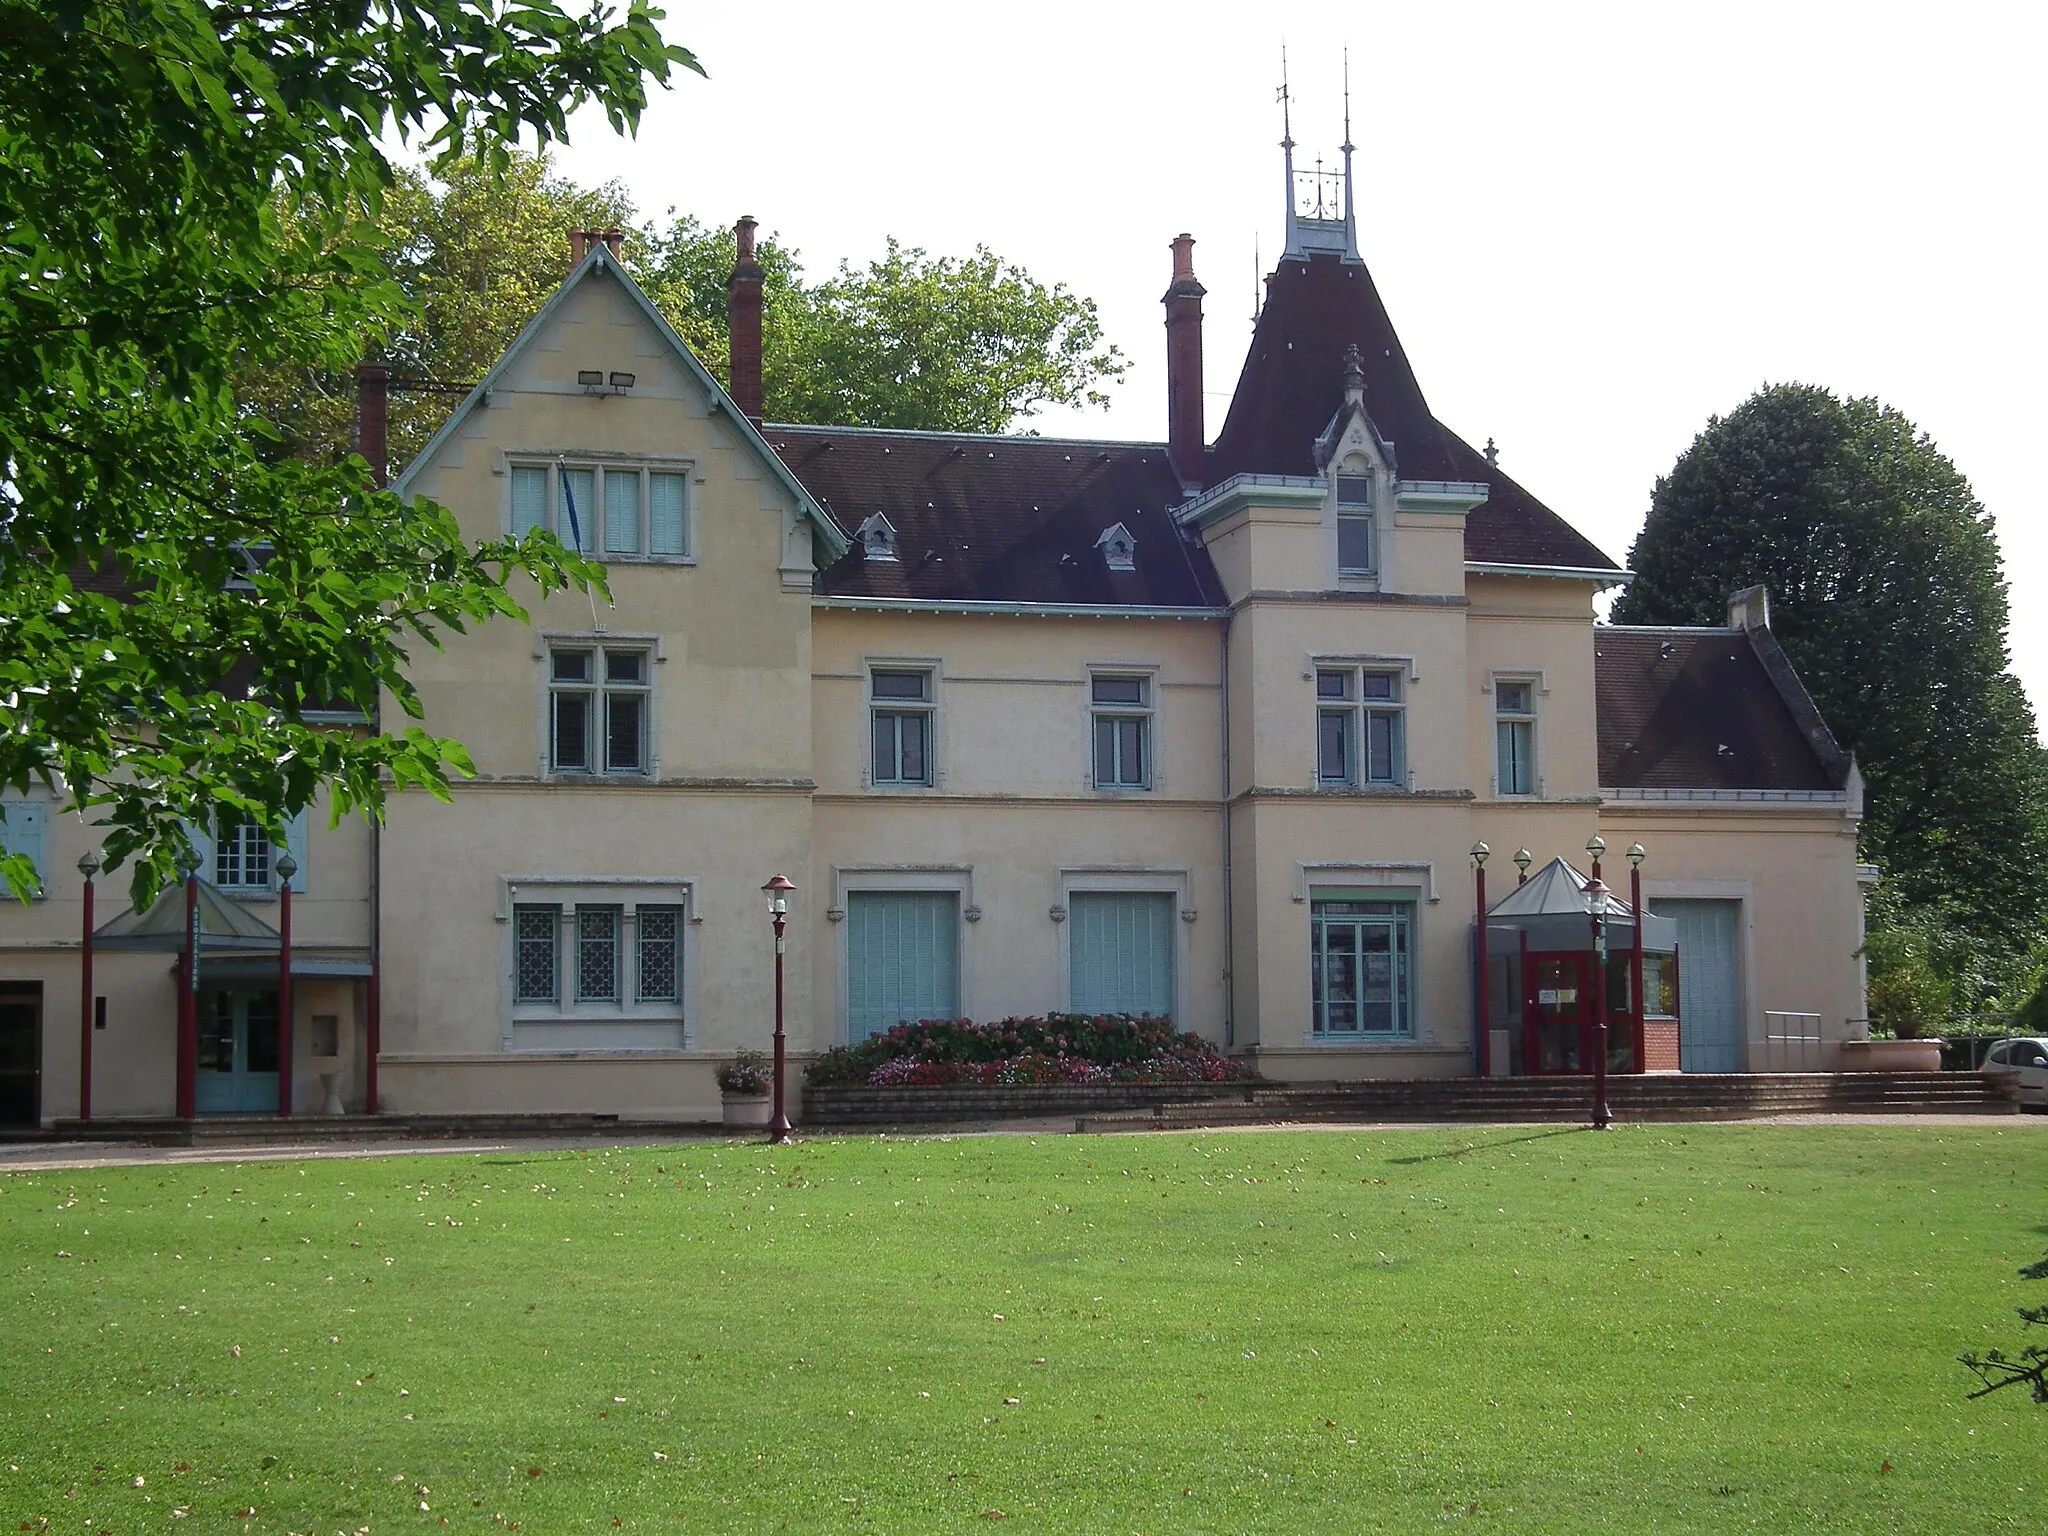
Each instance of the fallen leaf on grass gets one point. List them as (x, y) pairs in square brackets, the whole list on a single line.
[(993, 1514)]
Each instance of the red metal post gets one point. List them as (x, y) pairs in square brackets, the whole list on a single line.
[(372, 1041), (1602, 1116), (85, 1011), (1635, 962), (778, 905), (284, 998), (1485, 980), (188, 1006)]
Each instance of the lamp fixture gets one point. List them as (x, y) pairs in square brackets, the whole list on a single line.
[(1480, 853), (1523, 859), (590, 378), (1636, 854), (622, 381), (89, 863), (1596, 846)]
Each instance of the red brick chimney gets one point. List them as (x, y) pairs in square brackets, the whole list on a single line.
[(614, 240), (1184, 431), (373, 420), (743, 324), (579, 247)]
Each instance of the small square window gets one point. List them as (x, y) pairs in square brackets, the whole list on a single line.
[(625, 666), (572, 666), (902, 685), (1333, 685), (1354, 490)]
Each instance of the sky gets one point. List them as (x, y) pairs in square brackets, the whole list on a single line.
[(1595, 226)]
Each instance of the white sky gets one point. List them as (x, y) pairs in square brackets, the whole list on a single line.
[(1594, 225)]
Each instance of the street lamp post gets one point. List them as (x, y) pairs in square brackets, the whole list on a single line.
[(1636, 855), (188, 994), (1597, 900), (88, 866), (1479, 854), (778, 891)]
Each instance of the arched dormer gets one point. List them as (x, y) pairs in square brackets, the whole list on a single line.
[(1119, 549)]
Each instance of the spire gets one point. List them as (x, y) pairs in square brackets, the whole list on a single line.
[(1319, 220)]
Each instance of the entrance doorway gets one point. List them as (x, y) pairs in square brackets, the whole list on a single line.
[(21, 1056), (237, 1050), (1558, 1007)]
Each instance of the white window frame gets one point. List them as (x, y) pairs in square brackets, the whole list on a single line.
[(1365, 512), (592, 518), (626, 895), (1408, 982), (1145, 712), (1532, 718), (1358, 710), (878, 706), (598, 688), (250, 841)]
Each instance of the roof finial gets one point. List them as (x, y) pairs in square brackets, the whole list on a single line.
[(1258, 273), (1354, 375), (1350, 223), (1492, 455), (1286, 100)]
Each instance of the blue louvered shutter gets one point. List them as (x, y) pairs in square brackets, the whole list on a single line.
[(529, 500), (622, 511), (666, 528), (903, 958), (1121, 952), (21, 832), (296, 839)]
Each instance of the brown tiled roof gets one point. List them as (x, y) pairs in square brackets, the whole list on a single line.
[(1000, 519), (1698, 709), (1292, 384)]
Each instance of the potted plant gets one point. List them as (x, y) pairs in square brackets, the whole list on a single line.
[(744, 1087)]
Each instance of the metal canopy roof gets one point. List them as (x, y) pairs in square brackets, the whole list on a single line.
[(224, 925), (1553, 908)]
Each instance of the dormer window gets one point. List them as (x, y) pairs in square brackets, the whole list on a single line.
[(1119, 549), (878, 538), (1354, 525)]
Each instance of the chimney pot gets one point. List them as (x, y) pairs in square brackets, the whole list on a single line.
[(579, 247), (614, 240), (743, 302), (373, 420), (1184, 425)]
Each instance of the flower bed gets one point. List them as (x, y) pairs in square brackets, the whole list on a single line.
[(1059, 1049)]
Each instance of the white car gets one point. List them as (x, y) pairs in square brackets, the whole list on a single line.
[(2020, 1067)]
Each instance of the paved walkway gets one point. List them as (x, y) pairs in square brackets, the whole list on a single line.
[(34, 1156)]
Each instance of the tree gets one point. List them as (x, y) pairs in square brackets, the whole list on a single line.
[(1886, 592), (476, 252), (191, 198), (911, 341), (1998, 1370)]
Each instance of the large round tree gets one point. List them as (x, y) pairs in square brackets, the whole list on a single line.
[(1886, 591)]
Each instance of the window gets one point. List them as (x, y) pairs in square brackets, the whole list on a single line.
[(21, 832), (658, 934), (611, 955), (1514, 711), (597, 710), (1354, 525), (241, 853), (628, 511), (1123, 731), (533, 965), (597, 954), (1358, 727), (1359, 979), (902, 709)]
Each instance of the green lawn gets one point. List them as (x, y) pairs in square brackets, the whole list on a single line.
[(1686, 1329)]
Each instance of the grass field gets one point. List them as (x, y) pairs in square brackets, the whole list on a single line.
[(1691, 1329)]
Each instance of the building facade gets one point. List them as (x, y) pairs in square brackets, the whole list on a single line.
[(1206, 728)]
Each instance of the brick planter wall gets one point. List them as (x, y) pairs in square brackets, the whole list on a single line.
[(1660, 1045), (850, 1105)]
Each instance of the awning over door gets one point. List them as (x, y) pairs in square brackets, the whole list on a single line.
[(225, 926), (1552, 908)]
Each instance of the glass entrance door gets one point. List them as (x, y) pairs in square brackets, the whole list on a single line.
[(1558, 1005), (237, 1051)]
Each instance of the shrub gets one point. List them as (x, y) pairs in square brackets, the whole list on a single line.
[(1059, 1048), (748, 1072)]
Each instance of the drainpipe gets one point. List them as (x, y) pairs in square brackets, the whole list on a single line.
[(1229, 925)]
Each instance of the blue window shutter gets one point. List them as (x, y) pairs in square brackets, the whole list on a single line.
[(1121, 955), (666, 520), (622, 512), (529, 500), (295, 839), (903, 958), (22, 832)]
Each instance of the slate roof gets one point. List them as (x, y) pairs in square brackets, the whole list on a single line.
[(1292, 384), (1000, 519), (1700, 709)]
